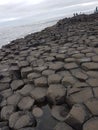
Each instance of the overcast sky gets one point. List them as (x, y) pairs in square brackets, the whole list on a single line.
[(30, 11)]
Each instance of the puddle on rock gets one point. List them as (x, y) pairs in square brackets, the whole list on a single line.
[(46, 121)]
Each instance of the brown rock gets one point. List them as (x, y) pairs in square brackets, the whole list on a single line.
[(56, 66), (74, 90), (93, 82), (50, 58), (48, 72), (56, 94), (17, 84), (60, 56), (5, 80), (90, 54), (25, 91), (26, 103), (77, 116), (15, 72), (27, 128), (6, 93), (96, 50), (87, 50), (3, 103), (64, 73), (14, 117), (7, 111), (69, 66), (4, 86), (90, 66), (77, 56), (22, 64), (33, 76), (25, 71), (25, 121), (39, 69), (37, 112), (91, 124), (91, 103), (68, 80), (63, 126), (41, 82), (14, 99), (80, 97), (83, 60), (68, 60), (95, 58), (93, 74), (54, 79), (95, 90), (80, 84), (79, 75), (59, 112), (39, 94)]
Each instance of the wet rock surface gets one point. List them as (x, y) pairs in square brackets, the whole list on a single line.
[(49, 79)]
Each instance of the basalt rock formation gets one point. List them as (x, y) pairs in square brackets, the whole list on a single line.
[(49, 79)]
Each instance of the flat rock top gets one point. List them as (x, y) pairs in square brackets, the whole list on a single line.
[(57, 66)]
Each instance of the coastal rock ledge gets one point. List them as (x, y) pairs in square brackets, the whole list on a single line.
[(49, 79)]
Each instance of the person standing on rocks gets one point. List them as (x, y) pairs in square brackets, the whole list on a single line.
[(96, 10)]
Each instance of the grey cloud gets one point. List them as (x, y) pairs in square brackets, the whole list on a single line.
[(45, 10)]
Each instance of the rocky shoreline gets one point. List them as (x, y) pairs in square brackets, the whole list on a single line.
[(49, 79)]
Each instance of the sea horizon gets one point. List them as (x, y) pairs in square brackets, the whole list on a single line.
[(17, 25)]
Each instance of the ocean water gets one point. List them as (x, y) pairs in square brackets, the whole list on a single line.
[(9, 33), (22, 17)]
